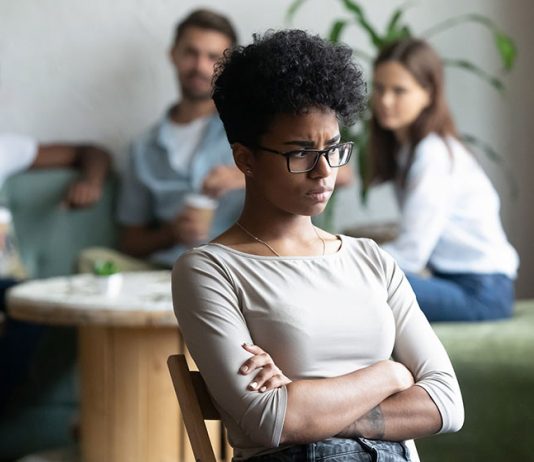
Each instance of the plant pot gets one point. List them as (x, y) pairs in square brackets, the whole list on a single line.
[(109, 285)]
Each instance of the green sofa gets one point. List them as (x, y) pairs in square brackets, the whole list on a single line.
[(50, 237), (494, 362)]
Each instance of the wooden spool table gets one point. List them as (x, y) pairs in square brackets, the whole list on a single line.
[(129, 412)]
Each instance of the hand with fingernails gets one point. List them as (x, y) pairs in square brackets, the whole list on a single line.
[(269, 376)]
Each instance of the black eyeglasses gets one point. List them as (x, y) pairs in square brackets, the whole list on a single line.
[(305, 160)]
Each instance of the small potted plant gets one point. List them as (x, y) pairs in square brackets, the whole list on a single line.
[(108, 278)]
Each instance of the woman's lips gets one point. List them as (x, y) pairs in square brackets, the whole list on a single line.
[(320, 194)]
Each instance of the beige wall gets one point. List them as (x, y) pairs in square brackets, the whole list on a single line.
[(72, 69)]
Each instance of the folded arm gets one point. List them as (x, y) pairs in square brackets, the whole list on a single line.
[(406, 415), (93, 163), (318, 409)]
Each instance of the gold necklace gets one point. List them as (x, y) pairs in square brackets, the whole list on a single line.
[(256, 238)]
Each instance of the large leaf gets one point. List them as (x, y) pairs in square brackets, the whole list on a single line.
[(505, 45), (394, 20), (469, 66), (334, 36), (293, 9), (361, 19), (394, 30), (363, 165), (336, 30), (403, 32), (359, 138)]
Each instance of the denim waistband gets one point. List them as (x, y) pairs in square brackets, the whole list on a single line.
[(340, 450)]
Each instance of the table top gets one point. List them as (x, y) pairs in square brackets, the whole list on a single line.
[(125, 299)]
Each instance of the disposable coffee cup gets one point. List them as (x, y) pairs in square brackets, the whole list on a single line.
[(203, 206)]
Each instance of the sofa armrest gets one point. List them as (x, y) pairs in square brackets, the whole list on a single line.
[(51, 236)]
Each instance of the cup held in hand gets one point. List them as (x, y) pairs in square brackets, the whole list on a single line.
[(202, 206)]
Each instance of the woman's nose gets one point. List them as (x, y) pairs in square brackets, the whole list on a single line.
[(386, 99), (322, 168)]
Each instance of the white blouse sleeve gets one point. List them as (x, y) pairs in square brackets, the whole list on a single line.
[(426, 205), (419, 348), (208, 312), (17, 153)]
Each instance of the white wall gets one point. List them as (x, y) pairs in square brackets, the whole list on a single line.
[(78, 70)]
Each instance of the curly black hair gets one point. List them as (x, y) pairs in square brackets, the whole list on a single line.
[(288, 71)]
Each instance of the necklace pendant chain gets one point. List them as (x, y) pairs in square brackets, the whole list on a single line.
[(257, 239)]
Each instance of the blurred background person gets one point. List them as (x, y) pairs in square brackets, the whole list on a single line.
[(185, 152), (450, 222), (20, 152), (17, 153)]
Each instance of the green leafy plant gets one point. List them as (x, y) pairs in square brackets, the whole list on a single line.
[(396, 28), (105, 268)]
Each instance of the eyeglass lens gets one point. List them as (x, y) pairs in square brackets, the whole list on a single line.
[(302, 161)]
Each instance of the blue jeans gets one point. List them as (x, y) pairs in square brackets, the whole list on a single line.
[(340, 450), (464, 296)]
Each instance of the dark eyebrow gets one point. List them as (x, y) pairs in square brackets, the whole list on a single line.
[(311, 144)]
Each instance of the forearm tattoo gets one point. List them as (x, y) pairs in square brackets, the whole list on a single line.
[(371, 425), (374, 423)]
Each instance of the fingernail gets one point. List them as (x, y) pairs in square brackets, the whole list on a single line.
[(253, 385), (244, 369), (262, 389)]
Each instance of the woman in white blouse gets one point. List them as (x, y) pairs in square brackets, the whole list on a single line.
[(331, 311), (450, 221)]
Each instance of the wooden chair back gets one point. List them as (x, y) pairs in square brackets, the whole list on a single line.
[(196, 406)]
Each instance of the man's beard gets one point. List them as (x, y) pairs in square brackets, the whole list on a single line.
[(190, 93), (195, 96)]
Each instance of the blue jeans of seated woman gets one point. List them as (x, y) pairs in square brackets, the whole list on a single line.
[(464, 296), (340, 450)]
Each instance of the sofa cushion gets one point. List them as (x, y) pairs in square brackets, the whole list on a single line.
[(494, 362)]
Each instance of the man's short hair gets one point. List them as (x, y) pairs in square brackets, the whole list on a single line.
[(207, 19)]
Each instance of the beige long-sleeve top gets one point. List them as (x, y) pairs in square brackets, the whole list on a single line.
[(319, 316)]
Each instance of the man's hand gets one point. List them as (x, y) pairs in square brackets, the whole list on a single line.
[(83, 193), (190, 227), (92, 161), (222, 179)]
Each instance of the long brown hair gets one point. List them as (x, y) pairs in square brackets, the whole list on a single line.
[(425, 66)]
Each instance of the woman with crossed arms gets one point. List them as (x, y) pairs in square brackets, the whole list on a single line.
[(363, 371)]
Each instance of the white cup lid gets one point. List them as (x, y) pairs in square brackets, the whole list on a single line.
[(200, 201), (5, 215)]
